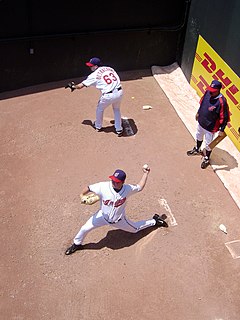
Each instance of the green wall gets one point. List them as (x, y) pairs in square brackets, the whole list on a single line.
[(217, 21)]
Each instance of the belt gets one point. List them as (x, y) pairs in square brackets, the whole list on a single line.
[(118, 89), (113, 221)]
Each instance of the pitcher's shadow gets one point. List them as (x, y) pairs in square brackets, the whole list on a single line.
[(118, 239)]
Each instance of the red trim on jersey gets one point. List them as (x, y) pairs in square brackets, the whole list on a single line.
[(221, 114)]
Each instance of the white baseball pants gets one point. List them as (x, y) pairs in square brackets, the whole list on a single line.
[(201, 132), (106, 100), (98, 220)]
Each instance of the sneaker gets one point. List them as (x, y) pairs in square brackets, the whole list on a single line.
[(74, 247), (159, 221), (119, 133), (97, 129), (194, 152), (205, 163)]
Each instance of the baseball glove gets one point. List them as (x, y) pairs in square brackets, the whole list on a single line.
[(90, 198), (71, 85)]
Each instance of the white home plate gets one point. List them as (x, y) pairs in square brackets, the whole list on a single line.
[(234, 248)]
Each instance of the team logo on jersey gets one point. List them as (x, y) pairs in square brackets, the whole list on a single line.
[(211, 108), (119, 202), (116, 204)]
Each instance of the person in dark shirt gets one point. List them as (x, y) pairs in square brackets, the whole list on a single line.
[(212, 117)]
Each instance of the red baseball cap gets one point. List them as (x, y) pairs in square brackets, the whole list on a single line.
[(118, 176)]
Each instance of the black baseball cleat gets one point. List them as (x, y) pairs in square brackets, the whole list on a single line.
[(119, 133), (194, 152), (205, 163), (159, 221), (74, 247)]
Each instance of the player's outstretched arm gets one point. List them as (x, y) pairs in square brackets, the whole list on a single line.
[(79, 86), (72, 86), (143, 180)]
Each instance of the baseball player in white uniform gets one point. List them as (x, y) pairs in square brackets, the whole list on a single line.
[(107, 81), (113, 198)]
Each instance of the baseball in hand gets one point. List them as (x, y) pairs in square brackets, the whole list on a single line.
[(146, 167)]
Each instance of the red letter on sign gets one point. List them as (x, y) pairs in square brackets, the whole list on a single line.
[(225, 81), (202, 84), (208, 61), (232, 90)]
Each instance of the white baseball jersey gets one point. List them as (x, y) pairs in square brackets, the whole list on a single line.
[(113, 203), (105, 79)]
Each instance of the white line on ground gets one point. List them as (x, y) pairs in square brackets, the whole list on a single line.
[(172, 220)]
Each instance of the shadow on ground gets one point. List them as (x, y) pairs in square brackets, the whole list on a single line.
[(118, 239), (129, 127), (223, 159)]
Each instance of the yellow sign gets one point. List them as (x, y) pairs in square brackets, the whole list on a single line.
[(208, 65)]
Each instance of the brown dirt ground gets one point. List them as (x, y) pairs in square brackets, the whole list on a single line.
[(49, 152)]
